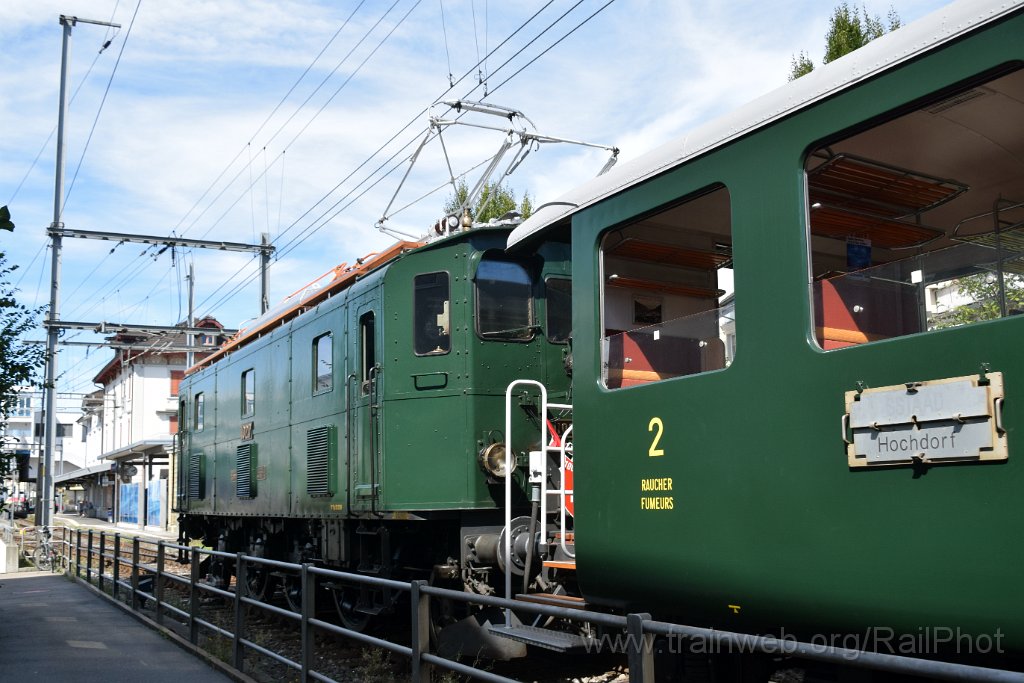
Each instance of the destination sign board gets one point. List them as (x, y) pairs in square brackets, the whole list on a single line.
[(943, 420)]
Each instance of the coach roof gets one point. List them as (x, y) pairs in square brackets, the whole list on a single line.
[(942, 26)]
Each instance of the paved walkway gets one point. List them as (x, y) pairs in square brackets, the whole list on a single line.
[(53, 629)]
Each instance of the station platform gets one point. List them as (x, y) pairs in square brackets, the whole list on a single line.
[(54, 629)]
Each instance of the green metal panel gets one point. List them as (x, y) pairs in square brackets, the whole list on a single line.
[(433, 412), (769, 527)]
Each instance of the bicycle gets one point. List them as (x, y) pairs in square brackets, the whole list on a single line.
[(44, 556)]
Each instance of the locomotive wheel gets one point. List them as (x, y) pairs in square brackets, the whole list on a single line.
[(291, 586), (345, 600), (259, 583)]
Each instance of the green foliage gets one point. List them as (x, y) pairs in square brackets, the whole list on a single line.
[(494, 202), (800, 65), (19, 362), (849, 29), (983, 292)]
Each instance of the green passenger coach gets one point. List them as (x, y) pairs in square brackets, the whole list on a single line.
[(798, 356)]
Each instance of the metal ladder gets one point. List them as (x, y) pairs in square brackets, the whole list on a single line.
[(552, 443)]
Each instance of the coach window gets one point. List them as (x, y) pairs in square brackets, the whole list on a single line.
[(558, 295), (667, 293), (917, 223), (504, 302), (431, 322), (323, 363), (197, 418), (248, 393)]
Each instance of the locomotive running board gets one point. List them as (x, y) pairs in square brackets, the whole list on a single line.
[(568, 601), (557, 641)]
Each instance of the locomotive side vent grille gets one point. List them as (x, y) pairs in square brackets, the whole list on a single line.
[(318, 461), (195, 479), (244, 485)]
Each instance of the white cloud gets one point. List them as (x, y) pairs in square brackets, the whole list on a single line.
[(197, 79)]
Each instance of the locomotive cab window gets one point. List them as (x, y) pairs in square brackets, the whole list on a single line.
[(199, 410), (504, 300), (558, 297), (917, 223), (431, 316), (248, 393), (323, 363), (666, 293)]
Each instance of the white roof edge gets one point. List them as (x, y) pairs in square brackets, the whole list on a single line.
[(939, 27)]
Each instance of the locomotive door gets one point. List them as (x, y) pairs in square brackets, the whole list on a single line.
[(364, 415)]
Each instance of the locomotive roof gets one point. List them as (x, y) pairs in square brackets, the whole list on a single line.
[(322, 288), (330, 283), (939, 27)]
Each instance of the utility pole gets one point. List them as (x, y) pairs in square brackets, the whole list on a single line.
[(44, 478), (190, 357), (264, 265)]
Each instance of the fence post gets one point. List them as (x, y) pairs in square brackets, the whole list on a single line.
[(116, 553), (101, 560), (158, 583), (308, 583), (88, 559), (193, 598), (639, 649), (78, 553), (420, 632), (135, 573), (241, 589)]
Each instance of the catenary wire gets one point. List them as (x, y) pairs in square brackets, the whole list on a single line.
[(99, 111)]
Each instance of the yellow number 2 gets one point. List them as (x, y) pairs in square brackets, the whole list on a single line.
[(656, 423)]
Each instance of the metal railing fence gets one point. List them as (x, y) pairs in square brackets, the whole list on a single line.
[(88, 556)]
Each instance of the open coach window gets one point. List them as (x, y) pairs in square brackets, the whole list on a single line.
[(917, 223), (504, 300), (667, 293)]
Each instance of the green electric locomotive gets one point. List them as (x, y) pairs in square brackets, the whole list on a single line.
[(361, 425), (798, 359)]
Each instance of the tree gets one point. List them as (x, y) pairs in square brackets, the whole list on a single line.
[(19, 362), (494, 202), (848, 30), (982, 293), (800, 65)]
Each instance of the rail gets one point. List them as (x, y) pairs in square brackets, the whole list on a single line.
[(113, 566)]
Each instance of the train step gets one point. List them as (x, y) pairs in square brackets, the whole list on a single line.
[(557, 641), (568, 565), (553, 599)]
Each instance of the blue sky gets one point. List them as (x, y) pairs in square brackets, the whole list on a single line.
[(196, 84)]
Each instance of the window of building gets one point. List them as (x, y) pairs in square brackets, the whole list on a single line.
[(431, 322), (666, 293), (367, 353), (198, 411), (504, 300), (248, 393), (323, 363), (917, 223), (558, 291), (176, 377), (65, 430), (23, 408)]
